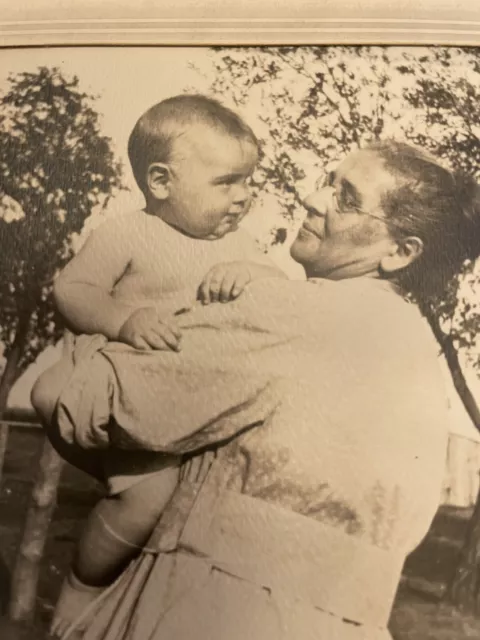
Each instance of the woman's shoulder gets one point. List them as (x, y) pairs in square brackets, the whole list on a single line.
[(346, 309), (365, 315)]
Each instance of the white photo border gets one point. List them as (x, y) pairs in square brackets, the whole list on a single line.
[(238, 22)]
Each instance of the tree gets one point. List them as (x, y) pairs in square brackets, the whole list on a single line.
[(55, 168), (317, 103), (452, 111), (313, 105), (451, 129)]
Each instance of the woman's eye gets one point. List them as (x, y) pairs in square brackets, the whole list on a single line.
[(347, 202)]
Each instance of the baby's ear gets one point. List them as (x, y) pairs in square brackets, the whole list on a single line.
[(158, 180)]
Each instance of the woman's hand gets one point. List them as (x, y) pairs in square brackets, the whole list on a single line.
[(145, 330), (227, 280)]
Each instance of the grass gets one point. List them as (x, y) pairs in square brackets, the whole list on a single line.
[(418, 614)]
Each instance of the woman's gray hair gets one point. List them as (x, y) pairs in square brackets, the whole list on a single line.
[(440, 207)]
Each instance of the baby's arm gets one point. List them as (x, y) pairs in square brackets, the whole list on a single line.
[(83, 289), (83, 292)]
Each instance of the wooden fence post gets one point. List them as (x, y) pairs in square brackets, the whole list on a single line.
[(4, 431), (40, 511)]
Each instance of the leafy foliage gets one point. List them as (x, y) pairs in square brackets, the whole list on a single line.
[(447, 94), (315, 104), (55, 167)]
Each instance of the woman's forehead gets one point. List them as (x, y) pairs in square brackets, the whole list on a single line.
[(368, 159), (366, 169)]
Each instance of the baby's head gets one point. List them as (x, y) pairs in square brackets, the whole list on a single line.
[(192, 158)]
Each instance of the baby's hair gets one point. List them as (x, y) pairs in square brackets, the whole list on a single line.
[(439, 206), (153, 136)]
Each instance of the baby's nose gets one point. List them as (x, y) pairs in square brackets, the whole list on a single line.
[(242, 194)]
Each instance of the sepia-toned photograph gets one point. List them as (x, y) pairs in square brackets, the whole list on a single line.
[(239, 356)]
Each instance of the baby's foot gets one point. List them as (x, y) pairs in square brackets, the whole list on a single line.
[(73, 607)]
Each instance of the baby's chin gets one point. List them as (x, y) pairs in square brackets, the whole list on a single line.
[(217, 234), (220, 233)]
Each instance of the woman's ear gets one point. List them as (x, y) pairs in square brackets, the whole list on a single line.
[(404, 252), (158, 180)]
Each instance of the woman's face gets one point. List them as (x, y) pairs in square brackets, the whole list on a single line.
[(344, 235)]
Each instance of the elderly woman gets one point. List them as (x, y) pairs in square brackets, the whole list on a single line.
[(330, 438)]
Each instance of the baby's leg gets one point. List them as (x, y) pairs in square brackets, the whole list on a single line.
[(47, 389), (129, 519), (117, 529), (44, 398)]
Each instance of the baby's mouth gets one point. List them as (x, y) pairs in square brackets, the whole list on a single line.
[(232, 219)]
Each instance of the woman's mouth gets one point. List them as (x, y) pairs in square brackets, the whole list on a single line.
[(307, 229)]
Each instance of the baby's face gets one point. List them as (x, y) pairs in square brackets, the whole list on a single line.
[(209, 191)]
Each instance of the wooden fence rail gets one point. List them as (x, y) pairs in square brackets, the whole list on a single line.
[(20, 423)]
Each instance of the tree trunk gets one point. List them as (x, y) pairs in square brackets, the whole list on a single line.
[(42, 502), (460, 383), (9, 377), (451, 356), (30, 554), (464, 588)]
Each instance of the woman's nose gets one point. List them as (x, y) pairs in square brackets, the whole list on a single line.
[(318, 202)]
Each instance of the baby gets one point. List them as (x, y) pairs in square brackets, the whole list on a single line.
[(192, 159)]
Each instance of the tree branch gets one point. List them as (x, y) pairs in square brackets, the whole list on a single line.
[(447, 345)]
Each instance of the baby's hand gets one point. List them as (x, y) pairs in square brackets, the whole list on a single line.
[(145, 330), (226, 281)]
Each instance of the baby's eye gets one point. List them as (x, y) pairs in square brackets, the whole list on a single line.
[(225, 182)]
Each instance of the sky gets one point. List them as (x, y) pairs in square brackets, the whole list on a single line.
[(127, 81)]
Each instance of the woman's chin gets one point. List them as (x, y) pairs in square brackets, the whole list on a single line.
[(303, 249)]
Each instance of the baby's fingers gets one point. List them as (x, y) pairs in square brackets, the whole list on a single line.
[(173, 329), (226, 287), (141, 342), (240, 283), (162, 338), (204, 290), (171, 338), (209, 290)]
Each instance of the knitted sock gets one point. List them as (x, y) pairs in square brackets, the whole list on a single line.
[(101, 557)]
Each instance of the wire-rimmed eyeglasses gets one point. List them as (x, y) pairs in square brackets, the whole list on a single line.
[(345, 203)]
